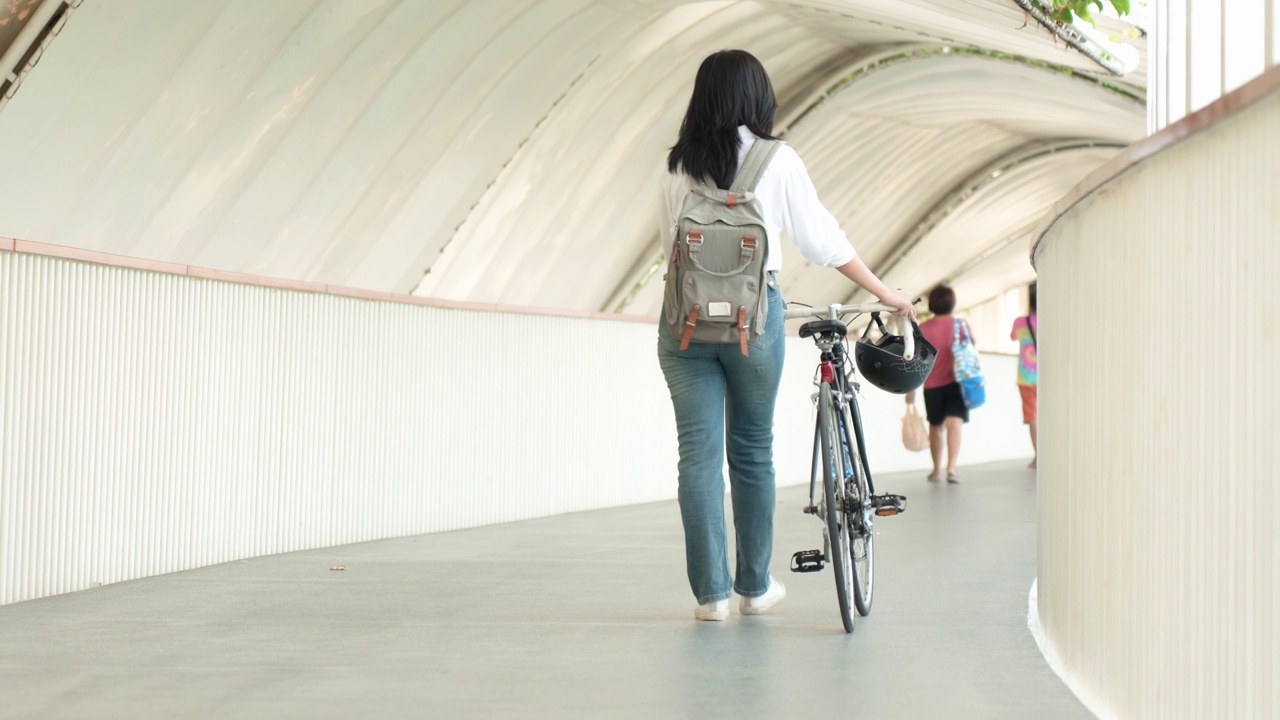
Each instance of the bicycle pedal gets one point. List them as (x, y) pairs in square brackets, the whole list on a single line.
[(889, 505), (807, 561)]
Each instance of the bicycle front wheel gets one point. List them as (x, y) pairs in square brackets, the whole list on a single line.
[(833, 476), (859, 524), (860, 514)]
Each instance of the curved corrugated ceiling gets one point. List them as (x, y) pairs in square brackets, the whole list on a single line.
[(508, 150)]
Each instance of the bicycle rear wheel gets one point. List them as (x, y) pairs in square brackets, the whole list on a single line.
[(833, 464)]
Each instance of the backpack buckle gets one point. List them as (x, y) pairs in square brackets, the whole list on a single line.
[(749, 242), (694, 237), (731, 200)]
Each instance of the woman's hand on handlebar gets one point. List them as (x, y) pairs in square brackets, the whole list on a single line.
[(900, 300), (859, 273)]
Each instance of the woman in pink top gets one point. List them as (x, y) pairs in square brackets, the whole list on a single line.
[(943, 402)]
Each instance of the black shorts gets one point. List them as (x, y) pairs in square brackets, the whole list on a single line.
[(944, 402)]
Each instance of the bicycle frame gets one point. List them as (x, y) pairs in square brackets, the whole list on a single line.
[(833, 369), (841, 491)]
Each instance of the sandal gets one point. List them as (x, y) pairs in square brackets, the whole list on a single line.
[(934, 478), (953, 479)]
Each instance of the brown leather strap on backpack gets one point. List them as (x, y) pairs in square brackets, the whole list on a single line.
[(688, 327), (742, 329)]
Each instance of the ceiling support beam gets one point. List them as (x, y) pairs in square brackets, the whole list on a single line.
[(965, 191)]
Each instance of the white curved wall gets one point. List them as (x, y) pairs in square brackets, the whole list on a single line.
[(1159, 566), (156, 420)]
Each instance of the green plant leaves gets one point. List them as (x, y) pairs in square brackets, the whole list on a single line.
[(1082, 12), (1066, 11)]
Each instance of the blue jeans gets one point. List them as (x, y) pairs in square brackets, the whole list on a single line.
[(724, 401)]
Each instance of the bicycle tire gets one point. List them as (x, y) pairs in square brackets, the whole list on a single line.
[(833, 491), (860, 523)]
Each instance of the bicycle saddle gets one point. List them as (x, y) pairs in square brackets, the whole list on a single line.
[(822, 327)]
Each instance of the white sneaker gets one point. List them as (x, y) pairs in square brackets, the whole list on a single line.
[(718, 610), (762, 604)]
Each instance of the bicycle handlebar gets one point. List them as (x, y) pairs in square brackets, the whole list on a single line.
[(835, 310)]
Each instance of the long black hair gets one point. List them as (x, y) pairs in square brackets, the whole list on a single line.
[(731, 89)]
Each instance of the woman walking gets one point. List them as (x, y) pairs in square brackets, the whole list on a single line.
[(723, 396), (944, 406)]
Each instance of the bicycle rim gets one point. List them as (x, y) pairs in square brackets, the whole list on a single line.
[(832, 488), (859, 523), (862, 552)]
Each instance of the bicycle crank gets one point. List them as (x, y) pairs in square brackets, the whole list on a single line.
[(887, 505)]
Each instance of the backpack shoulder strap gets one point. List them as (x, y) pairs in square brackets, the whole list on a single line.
[(754, 164)]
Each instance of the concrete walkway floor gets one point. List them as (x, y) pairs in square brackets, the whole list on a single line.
[(578, 616)]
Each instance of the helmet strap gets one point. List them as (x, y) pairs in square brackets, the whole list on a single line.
[(875, 319)]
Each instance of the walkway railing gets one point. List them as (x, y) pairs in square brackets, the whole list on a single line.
[(1199, 51)]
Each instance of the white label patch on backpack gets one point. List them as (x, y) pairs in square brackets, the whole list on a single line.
[(719, 309)]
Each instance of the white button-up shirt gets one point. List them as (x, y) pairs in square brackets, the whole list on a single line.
[(789, 202)]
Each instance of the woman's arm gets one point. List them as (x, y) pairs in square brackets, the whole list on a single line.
[(857, 271), (818, 235)]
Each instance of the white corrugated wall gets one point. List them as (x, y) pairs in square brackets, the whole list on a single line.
[(1159, 571), (154, 422)]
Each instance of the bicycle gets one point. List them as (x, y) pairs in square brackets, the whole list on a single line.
[(848, 505)]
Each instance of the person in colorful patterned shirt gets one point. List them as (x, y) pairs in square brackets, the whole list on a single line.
[(1024, 331)]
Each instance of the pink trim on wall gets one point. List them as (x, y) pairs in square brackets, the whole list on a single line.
[(93, 256), (31, 247), (248, 279), (1221, 109)]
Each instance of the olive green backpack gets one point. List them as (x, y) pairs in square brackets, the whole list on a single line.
[(716, 282)]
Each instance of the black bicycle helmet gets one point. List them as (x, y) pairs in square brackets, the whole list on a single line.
[(881, 361)]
